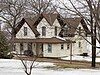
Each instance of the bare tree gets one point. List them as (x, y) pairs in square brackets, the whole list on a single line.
[(28, 63), (39, 6), (11, 14), (89, 11)]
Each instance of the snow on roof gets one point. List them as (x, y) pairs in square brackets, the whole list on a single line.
[(60, 38)]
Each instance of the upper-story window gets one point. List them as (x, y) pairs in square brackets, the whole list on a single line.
[(79, 30), (25, 31), (43, 31), (65, 29), (79, 44), (55, 30)]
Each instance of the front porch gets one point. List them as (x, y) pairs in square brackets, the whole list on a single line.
[(44, 47)]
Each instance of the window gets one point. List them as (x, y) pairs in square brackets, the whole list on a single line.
[(29, 46), (21, 48), (55, 30), (79, 44), (43, 31), (68, 46), (25, 31), (49, 48), (14, 48), (65, 29), (62, 46), (79, 30)]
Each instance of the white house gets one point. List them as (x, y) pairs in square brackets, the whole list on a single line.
[(48, 35)]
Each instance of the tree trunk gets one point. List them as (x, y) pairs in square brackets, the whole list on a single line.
[(93, 40), (93, 51)]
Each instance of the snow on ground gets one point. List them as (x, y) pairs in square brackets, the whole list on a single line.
[(81, 58), (14, 67)]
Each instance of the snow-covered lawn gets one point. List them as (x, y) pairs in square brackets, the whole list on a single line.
[(14, 67), (80, 58)]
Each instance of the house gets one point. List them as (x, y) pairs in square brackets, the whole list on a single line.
[(50, 35)]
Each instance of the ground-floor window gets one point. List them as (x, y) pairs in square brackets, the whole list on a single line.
[(68, 46), (49, 48), (14, 48), (21, 48), (79, 45)]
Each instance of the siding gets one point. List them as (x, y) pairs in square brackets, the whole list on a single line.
[(30, 34)]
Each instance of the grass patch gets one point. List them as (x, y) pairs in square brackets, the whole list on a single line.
[(76, 65)]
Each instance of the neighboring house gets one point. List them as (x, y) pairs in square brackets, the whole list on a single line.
[(49, 35)]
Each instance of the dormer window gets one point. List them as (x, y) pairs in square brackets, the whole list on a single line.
[(65, 29), (25, 31), (43, 31), (55, 30), (79, 30), (79, 44)]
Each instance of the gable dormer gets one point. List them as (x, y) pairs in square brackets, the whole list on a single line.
[(74, 26), (49, 25), (57, 27), (44, 28), (25, 29), (25, 32)]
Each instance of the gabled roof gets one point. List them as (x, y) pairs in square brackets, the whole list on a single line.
[(72, 24), (53, 40), (30, 23), (50, 18)]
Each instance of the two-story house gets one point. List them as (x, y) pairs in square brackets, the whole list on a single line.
[(49, 35)]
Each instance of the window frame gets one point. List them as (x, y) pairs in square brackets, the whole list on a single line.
[(79, 44), (21, 48), (43, 31), (49, 48), (25, 31), (55, 30), (68, 46), (80, 30), (62, 46)]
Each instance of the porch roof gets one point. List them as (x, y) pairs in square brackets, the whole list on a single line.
[(43, 40)]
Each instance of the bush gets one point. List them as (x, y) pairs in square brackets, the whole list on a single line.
[(28, 53)]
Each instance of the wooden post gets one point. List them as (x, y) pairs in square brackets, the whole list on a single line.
[(71, 53)]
